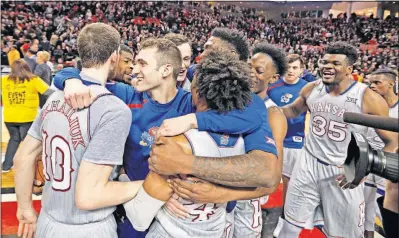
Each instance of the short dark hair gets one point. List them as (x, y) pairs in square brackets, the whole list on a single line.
[(167, 53), (96, 43), (277, 54), (343, 48), (235, 38), (389, 73), (291, 58), (223, 81), (126, 48), (178, 39)]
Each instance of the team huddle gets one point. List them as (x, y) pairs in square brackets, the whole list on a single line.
[(134, 148)]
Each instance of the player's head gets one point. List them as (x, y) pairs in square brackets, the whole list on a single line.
[(125, 66), (296, 66), (158, 62), (221, 82), (337, 62), (232, 37), (184, 45), (268, 63), (98, 45), (382, 81)]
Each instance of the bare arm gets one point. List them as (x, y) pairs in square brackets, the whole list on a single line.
[(24, 163), (370, 100), (94, 190), (299, 105)]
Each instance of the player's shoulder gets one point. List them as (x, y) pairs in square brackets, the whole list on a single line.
[(105, 101), (276, 85)]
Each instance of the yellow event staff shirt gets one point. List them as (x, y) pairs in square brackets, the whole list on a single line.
[(21, 100)]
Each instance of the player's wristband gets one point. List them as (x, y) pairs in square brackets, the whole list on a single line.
[(142, 209)]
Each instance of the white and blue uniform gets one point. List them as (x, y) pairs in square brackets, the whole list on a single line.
[(313, 181), (284, 94)]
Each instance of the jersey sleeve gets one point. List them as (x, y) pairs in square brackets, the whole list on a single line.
[(40, 85), (65, 74), (243, 121), (35, 129), (261, 139), (123, 91), (109, 134)]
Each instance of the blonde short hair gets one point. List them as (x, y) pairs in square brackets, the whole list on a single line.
[(44, 55)]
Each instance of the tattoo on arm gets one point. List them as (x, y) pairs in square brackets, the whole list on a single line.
[(237, 171)]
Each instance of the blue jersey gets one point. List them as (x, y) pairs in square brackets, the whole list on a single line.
[(283, 94), (148, 115)]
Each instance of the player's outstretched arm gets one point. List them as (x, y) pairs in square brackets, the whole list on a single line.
[(255, 169), (142, 209), (234, 122), (78, 95), (201, 191), (104, 151), (370, 100), (299, 106), (24, 164)]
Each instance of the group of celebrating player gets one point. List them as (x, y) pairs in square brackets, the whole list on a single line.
[(197, 164)]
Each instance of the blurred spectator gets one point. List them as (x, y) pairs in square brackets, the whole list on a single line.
[(20, 105), (30, 57), (13, 55)]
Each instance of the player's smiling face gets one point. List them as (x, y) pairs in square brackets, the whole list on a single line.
[(146, 70), (263, 72), (334, 68), (125, 67), (186, 53)]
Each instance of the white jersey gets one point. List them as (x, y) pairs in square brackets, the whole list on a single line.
[(206, 220), (329, 135), (374, 140), (68, 138)]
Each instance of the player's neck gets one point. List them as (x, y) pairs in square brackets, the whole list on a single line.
[(99, 73), (291, 82), (391, 99), (337, 89), (165, 93), (263, 94)]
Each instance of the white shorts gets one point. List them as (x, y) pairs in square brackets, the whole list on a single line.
[(373, 189), (290, 157), (313, 185), (47, 227)]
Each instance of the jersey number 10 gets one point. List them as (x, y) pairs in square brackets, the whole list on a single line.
[(57, 163)]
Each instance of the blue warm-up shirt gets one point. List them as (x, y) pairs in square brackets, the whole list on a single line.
[(282, 94), (148, 115)]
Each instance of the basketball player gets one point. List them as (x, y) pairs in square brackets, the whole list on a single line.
[(284, 92), (382, 82), (155, 98), (78, 198), (122, 74), (184, 45), (313, 180), (234, 41), (268, 64)]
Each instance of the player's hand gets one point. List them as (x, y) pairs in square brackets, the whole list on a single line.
[(168, 158), (27, 222), (77, 95), (176, 208), (198, 190), (177, 126), (344, 184)]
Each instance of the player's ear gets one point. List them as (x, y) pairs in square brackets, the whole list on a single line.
[(349, 70), (166, 70), (274, 78)]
